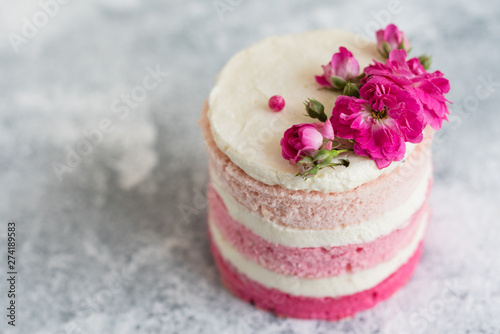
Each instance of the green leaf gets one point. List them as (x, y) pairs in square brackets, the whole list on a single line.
[(311, 172), (338, 82), (323, 157), (306, 159)]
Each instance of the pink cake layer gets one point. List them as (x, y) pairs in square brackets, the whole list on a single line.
[(286, 305), (313, 209), (312, 262)]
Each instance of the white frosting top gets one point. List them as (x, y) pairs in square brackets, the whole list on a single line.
[(249, 132)]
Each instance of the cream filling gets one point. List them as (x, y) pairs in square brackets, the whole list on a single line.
[(353, 234), (249, 133), (335, 286)]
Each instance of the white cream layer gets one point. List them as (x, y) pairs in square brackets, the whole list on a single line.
[(353, 234), (249, 133), (334, 286)]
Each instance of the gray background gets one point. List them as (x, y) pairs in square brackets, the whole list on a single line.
[(106, 250)]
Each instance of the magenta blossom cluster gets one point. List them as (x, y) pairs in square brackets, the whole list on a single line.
[(379, 111), (380, 121), (427, 88), (397, 101)]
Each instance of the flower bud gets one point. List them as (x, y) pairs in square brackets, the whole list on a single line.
[(315, 109), (391, 38), (351, 89), (300, 140)]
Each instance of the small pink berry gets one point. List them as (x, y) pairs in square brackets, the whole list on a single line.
[(276, 103)]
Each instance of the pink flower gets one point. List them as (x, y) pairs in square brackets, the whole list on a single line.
[(380, 122), (391, 38), (342, 68), (303, 139), (428, 88)]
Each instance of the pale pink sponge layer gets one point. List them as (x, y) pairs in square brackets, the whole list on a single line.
[(283, 304), (311, 262)]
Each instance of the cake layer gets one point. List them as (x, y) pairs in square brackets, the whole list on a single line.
[(362, 232), (333, 286), (318, 210), (287, 305), (312, 262), (248, 132)]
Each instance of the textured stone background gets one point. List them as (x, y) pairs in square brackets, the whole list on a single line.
[(106, 250)]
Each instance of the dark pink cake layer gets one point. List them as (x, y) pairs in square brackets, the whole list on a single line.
[(283, 304), (310, 262)]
